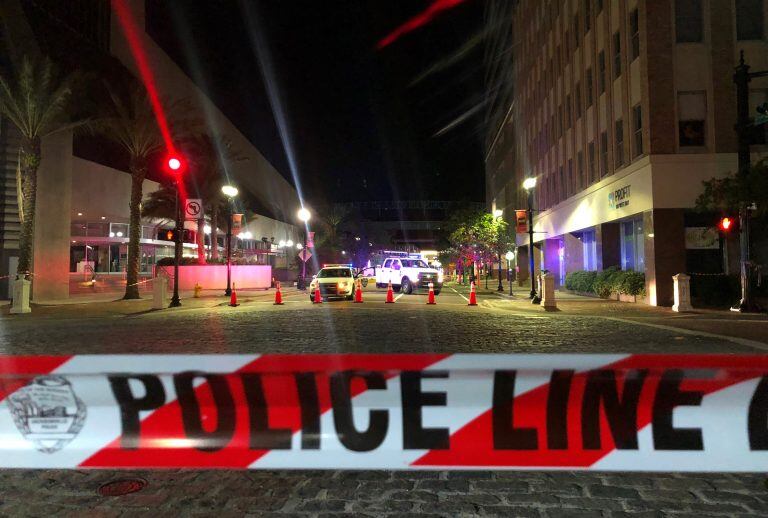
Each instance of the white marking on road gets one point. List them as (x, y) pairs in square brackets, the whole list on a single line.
[(459, 294), (398, 297), (734, 339)]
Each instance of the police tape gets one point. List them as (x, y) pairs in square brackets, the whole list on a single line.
[(400, 411)]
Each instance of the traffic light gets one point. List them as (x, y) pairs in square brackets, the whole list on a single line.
[(725, 224), (168, 235), (175, 164)]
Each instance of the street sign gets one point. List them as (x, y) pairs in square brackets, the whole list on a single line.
[(310, 240), (521, 221), (304, 255), (237, 224), (193, 209)]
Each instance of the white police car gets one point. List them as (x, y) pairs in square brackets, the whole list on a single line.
[(334, 280)]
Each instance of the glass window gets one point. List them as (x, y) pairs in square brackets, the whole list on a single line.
[(590, 250), (562, 191), (619, 139), (591, 163), (587, 15), (590, 88), (603, 154), (580, 172), (749, 19), (692, 116), (637, 130), (570, 177), (601, 72), (616, 55), (334, 272), (388, 263), (568, 111), (689, 25), (634, 31), (632, 246), (577, 99)]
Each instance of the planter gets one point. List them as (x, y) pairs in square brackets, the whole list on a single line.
[(214, 276), (638, 299)]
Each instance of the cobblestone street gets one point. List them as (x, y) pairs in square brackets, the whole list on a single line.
[(498, 325)]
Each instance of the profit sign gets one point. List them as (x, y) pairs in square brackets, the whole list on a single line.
[(617, 412), (619, 198)]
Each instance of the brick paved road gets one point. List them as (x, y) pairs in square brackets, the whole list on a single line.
[(409, 325)]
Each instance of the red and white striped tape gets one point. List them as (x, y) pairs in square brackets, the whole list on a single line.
[(403, 411)]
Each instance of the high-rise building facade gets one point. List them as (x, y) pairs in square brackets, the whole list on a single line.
[(619, 109)]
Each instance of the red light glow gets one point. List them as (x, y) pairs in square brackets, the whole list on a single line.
[(725, 223), (421, 19), (174, 164)]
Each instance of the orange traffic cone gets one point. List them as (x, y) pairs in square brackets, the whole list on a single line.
[(359, 292), (278, 294), (390, 294), (318, 296), (233, 297), (472, 295), (431, 298)]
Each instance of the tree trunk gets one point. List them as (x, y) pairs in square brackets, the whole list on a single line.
[(138, 170), (201, 241), (30, 161), (214, 232)]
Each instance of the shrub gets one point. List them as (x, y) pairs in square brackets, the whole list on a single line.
[(582, 281), (605, 281), (630, 283)]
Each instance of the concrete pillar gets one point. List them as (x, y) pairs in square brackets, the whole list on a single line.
[(664, 231), (682, 292), (522, 265), (552, 256), (21, 290), (548, 291), (574, 253), (52, 219), (160, 292)]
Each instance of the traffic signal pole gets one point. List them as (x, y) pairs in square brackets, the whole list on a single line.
[(742, 77), (175, 302)]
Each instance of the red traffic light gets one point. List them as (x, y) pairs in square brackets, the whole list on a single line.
[(175, 164), (725, 224)]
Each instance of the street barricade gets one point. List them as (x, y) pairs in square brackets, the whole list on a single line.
[(400, 411)]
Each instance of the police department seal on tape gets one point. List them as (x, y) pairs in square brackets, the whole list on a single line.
[(47, 412)]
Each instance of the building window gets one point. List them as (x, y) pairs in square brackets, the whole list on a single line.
[(599, 6), (568, 111), (576, 32), (591, 163), (603, 154), (637, 129), (689, 25), (590, 88), (571, 189), (577, 99), (634, 30), (601, 72), (616, 55), (562, 190), (580, 171), (632, 245), (560, 121), (590, 250), (587, 15), (619, 139), (692, 116), (749, 20)]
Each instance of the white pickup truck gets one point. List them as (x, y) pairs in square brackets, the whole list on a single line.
[(408, 274)]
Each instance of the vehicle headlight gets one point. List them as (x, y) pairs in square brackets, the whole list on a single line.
[(343, 284), (439, 276)]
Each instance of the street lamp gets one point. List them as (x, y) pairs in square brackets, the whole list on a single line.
[(304, 216), (230, 191), (175, 166), (509, 256), (497, 215), (529, 185)]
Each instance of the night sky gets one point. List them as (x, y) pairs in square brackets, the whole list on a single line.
[(361, 129)]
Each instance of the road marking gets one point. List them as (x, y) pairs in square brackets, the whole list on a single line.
[(734, 339), (459, 294), (398, 297)]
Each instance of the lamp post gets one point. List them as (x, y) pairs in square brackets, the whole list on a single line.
[(175, 166), (529, 185), (304, 216), (230, 192), (509, 256), (497, 215)]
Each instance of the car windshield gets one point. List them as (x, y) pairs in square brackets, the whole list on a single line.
[(334, 272), (414, 263)]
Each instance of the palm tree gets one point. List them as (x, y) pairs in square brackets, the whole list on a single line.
[(131, 123), (37, 101)]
